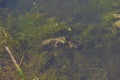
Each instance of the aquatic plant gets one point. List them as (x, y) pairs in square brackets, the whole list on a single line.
[(28, 29), (5, 38), (15, 63), (86, 33), (35, 26)]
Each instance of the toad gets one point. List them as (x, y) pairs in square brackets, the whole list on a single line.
[(58, 40)]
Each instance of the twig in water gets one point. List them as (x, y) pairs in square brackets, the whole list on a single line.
[(15, 63), (21, 60)]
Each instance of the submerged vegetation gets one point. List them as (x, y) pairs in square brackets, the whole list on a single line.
[(88, 24)]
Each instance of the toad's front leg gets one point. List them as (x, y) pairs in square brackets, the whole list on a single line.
[(56, 44)]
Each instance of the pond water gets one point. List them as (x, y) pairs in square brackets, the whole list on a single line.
[(34, 29)]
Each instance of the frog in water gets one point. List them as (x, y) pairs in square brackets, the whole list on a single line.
[(59, 40), (56, 40)]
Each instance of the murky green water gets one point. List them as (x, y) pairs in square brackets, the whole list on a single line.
[(34, 29)]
